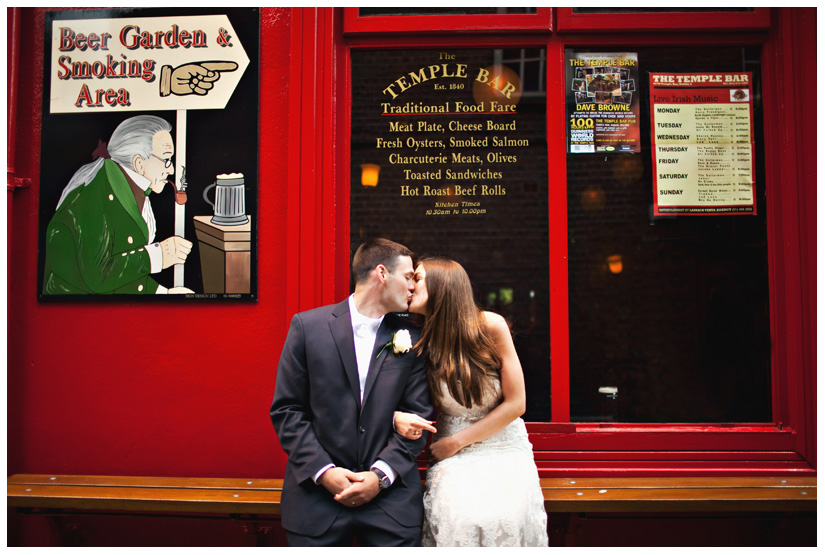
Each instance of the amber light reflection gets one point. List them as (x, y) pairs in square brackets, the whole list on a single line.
[(369, 174)]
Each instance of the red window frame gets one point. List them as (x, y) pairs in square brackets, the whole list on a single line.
[(355, 23), (569, 21), (319, 248)]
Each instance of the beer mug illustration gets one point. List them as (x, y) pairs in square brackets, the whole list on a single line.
[(230, 199)]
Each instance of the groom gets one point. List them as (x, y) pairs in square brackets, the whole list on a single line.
[(344, 370)]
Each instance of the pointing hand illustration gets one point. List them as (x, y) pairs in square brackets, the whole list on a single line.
[(192, 78)]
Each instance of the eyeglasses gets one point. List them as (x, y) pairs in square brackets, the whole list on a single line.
[(167, 162)]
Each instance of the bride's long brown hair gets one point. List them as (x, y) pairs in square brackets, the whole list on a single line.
[(461, 352)]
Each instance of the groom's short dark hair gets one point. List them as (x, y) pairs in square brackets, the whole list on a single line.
[(374, 252)]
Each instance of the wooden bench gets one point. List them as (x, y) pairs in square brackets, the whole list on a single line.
[(44, 494), (679, 494), (137, 493)]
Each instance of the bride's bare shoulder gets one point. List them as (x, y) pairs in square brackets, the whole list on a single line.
[(496, 322)]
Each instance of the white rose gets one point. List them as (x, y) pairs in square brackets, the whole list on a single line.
[(401, 342)]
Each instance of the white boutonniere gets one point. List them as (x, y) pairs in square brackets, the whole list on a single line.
[(401, 343)]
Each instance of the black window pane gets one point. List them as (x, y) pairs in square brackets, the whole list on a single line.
[(657, 10), (463, 174), (372, 12), (681, 331)]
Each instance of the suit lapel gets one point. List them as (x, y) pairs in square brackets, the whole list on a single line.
[(341, 327), (384, 336)]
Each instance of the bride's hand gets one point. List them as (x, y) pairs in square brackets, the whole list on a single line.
[(444, 448), (410, 425)]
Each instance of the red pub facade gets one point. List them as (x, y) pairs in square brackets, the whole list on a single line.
[(653, 346)]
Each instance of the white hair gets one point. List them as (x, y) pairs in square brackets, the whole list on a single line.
[(132, 136)]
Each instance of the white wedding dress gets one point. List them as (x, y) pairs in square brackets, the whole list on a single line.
[(488, 494)]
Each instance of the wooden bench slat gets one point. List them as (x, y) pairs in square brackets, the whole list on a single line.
[(696, 506), (676, 500), (146, 481), (275, 484), (678, 494), (679, 482), (139, 493), (682, 494), (161, 499)]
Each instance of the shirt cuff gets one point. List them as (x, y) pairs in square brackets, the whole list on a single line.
[(161, 290), (385, 468), (318, 474), (155, 257)]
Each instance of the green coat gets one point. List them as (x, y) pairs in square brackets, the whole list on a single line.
[(95, 242)]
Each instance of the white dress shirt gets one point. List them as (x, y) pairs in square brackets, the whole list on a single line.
[(364, 330)]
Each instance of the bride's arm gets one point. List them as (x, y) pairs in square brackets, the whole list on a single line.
[(512, 387)]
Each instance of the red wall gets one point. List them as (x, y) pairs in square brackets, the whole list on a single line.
[(184, 389), (161, 389)]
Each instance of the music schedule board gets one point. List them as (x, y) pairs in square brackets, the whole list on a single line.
[(702, 143)]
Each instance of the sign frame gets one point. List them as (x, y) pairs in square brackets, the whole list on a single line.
[(68, 143)]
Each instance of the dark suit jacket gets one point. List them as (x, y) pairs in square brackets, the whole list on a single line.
[(319, 418)]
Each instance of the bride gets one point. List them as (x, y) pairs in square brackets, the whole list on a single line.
[(482, 486)]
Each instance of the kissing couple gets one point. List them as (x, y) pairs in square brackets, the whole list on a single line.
[(356, 388)]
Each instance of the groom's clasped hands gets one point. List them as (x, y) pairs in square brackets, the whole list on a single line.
[(351, 489)]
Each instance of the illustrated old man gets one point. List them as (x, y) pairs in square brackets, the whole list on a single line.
[(101, 238)]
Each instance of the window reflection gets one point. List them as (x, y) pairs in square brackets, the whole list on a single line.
[(672, 313)]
